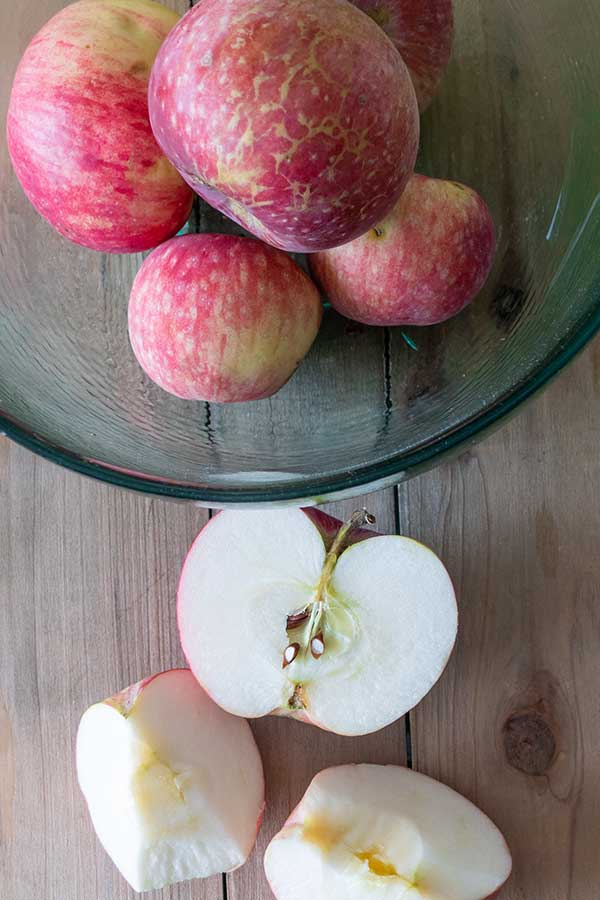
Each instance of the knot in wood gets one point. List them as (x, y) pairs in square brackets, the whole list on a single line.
[(529, 743)]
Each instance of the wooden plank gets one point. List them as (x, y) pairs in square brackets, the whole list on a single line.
[(293, 752), (514, 722), (88, 577)]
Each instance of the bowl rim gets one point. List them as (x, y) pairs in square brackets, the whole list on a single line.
[(394, 469)]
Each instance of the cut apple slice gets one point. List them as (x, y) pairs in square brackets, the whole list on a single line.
[(349, 631), (173, 783), (389, 832)]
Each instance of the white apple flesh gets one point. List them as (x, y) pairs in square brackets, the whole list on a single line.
[(278, 617), (174, 784), (389, 832)]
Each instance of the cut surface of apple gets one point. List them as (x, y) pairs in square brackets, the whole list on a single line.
[(387, 832), (347, 632), (174, 784)]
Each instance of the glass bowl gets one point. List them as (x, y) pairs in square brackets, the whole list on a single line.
[(518, 118)]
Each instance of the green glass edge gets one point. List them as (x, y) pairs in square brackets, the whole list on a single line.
[(402, 463)]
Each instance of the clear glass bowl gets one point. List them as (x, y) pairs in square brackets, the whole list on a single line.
[(518, 118)]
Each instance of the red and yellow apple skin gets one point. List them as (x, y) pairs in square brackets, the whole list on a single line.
[(295, 118), (422, 31), (221, 318), (78, 129), (420, 265)]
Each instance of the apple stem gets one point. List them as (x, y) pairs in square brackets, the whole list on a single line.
[(315, 610), (358, 519)]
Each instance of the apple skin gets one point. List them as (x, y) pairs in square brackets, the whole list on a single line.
[(422, 31), (295, 118), (420, 265), (221, 318), (329, 527), (78, 129)]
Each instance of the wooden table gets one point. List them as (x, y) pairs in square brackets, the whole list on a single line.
[(87, 585)]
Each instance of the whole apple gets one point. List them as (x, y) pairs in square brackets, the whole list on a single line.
[(79, 135), (296, 118), (422, 30), (221, 318), (420, 265)]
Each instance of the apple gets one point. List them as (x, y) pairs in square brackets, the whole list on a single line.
[(295, 118), (384, 831), (78, 130), (276, 617), (174, 784), (420, 265), (221, 318), (422, 30)]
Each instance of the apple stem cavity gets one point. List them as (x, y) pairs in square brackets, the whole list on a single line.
[(313, 614)]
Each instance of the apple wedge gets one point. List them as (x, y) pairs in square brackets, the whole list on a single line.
[(387, 832), (291, 612), (174, 784)]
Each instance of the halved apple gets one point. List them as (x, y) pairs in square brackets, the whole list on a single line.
[(292, 612), (389, 832), (173, 783)]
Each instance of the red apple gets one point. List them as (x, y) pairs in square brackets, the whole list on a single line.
[(420, 265), (422, 31), (296, 118), (216, 317), (79, 135)]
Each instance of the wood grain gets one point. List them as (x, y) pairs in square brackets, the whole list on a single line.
[(514, 723), (87, 579)]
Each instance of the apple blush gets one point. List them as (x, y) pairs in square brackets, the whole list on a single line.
[(78, 130), (420, 265), (281, 613), (422, 31), (174, 784), (388, 832), (221, 318), (296, 118)]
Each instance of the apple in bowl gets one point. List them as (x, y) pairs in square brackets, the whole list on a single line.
[(296, 118), (422, 31), (291, 612), (152, 763), (78, 130), (420, 265), (221, 318)]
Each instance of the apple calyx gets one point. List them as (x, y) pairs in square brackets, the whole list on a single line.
[(304, 627)]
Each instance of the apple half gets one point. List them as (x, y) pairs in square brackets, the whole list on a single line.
[(385, 831), (291, 612), (174, 784)]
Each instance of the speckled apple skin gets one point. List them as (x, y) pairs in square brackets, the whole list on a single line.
[(296, 118), (423, 31), (221, 318), (79, 133), (419, 266)]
